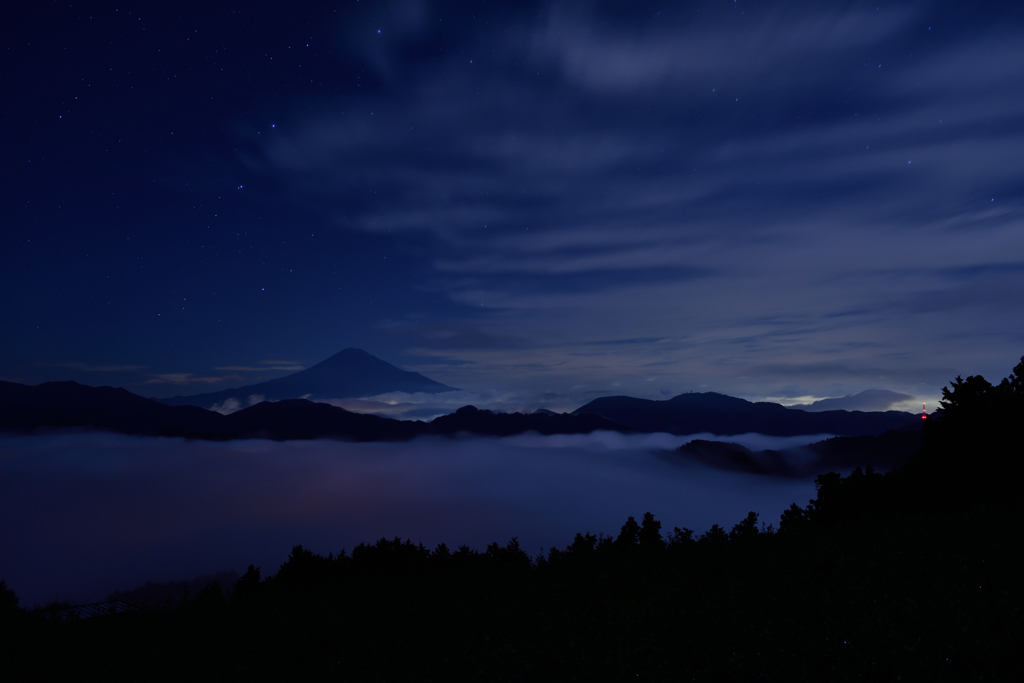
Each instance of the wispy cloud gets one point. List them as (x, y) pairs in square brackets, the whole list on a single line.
[(185, 378), (682, 49), (871, 399), (91, 367), (233, 405), (765, 193), (423, 406), (260, 368)]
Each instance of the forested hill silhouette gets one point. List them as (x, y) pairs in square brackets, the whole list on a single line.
[(352, 373), (69, 405), (471, 420), (882, 452), (63, 405), (720, 414)]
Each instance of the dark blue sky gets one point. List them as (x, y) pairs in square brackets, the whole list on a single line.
[(544, 201)]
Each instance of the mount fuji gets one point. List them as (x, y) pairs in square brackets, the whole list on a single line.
[(352, 373)]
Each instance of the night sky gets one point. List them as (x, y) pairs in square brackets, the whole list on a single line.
[(539, 202)]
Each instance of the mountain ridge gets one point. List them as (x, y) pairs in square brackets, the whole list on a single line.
[(62, 406), (882, 452), (694, 413), (58, 406), (69, 405), (868, 400)]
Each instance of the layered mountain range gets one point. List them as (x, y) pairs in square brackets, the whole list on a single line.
[(881, 452), (62, 406), (695, 413)]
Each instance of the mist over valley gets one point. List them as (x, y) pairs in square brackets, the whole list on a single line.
[(87, 514)]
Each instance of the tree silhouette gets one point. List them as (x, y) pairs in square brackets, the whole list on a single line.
[(745, 530), (974, 445), (715, 536), (8, 603), (304, 570), (793, 519), (248, 587), (1012, 387), (650, 533), (512, 556), (583, 544), (629, 536), (680, 537)]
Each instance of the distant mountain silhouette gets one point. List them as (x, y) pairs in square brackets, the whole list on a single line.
[(352, 373), (881, 452), (722, 455), (69, 405), (719, 414), (471, 420), (301, 419), (872, 399)]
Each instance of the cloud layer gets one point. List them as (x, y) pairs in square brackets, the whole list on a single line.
[(83, 515)]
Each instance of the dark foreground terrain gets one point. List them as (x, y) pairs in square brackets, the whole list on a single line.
[(910, 575), (921, 598)]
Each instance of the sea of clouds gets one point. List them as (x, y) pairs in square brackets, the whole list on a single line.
[(82, 515)]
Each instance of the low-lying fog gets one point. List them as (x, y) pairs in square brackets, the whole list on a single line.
[(82, 515)]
